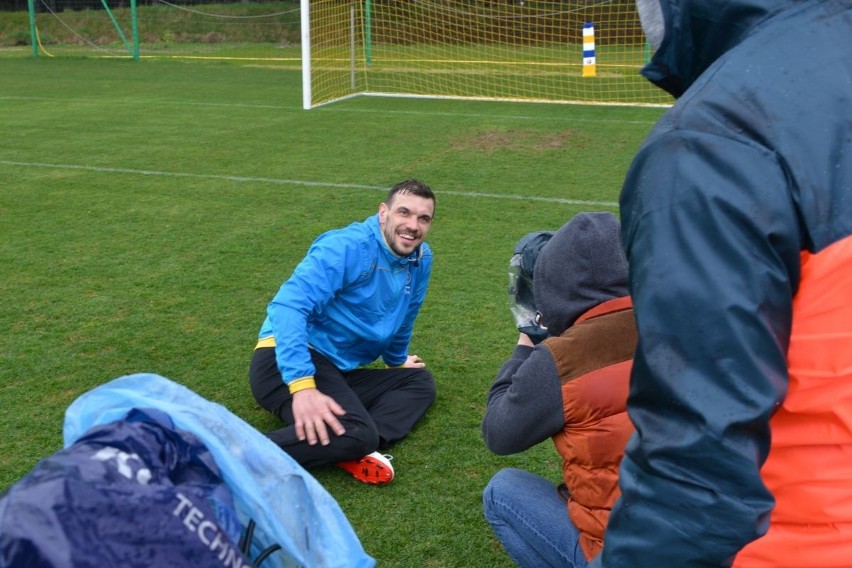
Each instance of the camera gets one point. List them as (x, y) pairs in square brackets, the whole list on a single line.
[(521, 296)]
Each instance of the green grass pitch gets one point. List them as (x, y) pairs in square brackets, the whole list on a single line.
[(149, 210)]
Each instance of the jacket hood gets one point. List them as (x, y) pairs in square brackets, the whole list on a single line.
[(581, 266), (698, 32)]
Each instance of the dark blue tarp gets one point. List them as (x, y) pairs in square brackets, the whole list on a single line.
[(135, 492)]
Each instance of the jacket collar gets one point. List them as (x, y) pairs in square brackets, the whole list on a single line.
[(614, 305)]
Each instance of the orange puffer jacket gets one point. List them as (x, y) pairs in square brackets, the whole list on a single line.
[(808, 470), (593, 358)]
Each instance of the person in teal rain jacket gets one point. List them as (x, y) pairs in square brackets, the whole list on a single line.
[(736, 218), (352, 300)]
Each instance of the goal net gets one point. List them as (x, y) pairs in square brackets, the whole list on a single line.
[(516, 50), (264, 30)]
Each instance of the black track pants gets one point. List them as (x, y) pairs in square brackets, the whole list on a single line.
[(382, 406)]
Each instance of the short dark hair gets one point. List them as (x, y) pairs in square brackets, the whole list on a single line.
[(413, 187)]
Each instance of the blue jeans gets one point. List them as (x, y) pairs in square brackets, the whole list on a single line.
[(531, 521)]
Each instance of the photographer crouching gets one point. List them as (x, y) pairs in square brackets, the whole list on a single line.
[(567, 380)]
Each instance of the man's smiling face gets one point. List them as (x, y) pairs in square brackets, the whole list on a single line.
[(405, 221)]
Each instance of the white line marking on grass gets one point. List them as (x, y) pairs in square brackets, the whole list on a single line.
[(456, 114), (303, 183), (567, 117)]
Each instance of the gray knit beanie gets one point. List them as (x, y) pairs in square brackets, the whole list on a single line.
[(581, 266)]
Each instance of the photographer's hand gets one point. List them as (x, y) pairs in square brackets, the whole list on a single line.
[(524, 339)]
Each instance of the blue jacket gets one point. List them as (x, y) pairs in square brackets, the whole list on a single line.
[(748, 171), (351, 299)]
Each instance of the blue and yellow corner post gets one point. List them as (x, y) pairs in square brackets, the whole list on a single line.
[(589, 60)]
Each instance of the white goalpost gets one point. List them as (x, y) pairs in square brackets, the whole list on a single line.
[(587, 52)]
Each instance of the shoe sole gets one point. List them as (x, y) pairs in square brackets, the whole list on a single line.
[(369, 470)]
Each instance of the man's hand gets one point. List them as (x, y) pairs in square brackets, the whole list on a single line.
[(313, 411), (414, 361)]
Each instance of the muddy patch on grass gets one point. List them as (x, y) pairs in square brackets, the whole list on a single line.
[(494, 140)]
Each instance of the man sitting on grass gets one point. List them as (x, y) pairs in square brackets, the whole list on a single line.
[(352, 300)]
